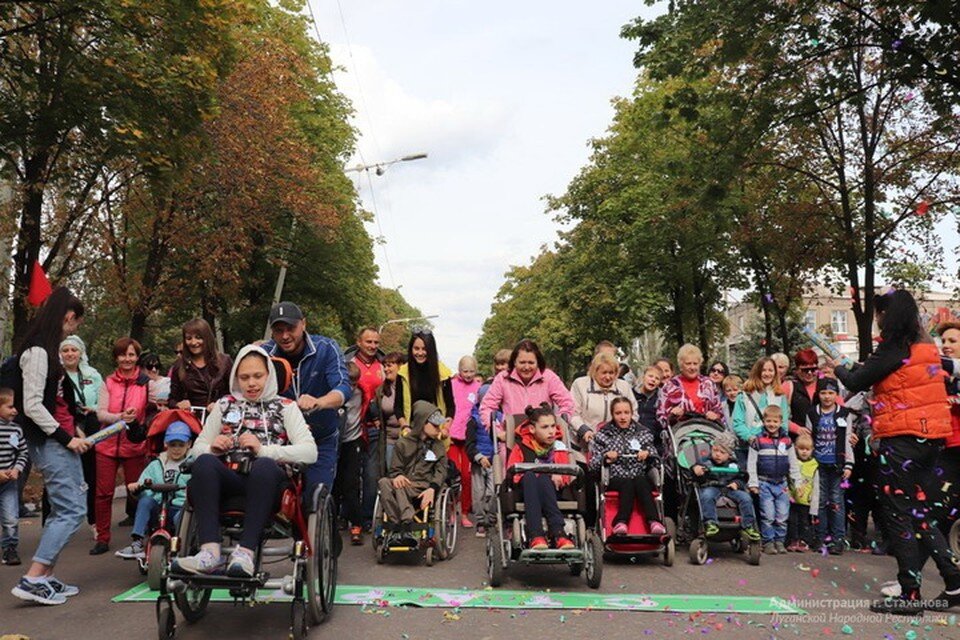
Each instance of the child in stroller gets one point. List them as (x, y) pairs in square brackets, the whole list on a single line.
[(716, 475)]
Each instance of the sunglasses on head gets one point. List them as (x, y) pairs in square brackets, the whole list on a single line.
[(422, 331)]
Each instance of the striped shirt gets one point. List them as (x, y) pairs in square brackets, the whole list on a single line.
[(13, 447)]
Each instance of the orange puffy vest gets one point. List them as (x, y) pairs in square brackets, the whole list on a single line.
[(912, 401)]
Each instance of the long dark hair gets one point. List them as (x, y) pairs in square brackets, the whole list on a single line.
[(901, 318), (199, 327), (424, 378), (46, 330)]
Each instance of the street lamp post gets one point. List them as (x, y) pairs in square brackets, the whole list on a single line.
[(381, 167)]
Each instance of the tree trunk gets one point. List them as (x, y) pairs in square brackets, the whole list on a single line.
[(676, 294), (28, 239), (784, 330), (701, 311)]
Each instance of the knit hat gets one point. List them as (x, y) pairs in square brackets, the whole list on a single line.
[(828, 384), (725, 441)]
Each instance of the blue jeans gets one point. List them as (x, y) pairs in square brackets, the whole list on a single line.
[(832, 524), (148, 517), (67, 493), (10, 514), (774, 511), (708, 504), (325, 468)]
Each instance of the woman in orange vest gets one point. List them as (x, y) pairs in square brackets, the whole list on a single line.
[(911, 420)]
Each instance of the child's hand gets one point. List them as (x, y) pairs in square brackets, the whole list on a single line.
[(611, 456), (133, 487), (249, 441), (752, 441), (426, 497), (642, 455), (485, 462), (401, 482), (854, 439), (847, 473), (221, 444), (557, 481), (755, 490), (4, 476), (733, 485), (13, 474), (698, 470)]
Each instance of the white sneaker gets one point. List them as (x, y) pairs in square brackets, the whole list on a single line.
[(66, 590), (240, 564), (40, 591), (133, 551), (891, 589), (203, 562)]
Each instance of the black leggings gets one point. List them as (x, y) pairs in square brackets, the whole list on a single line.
[(631, 490), (346, 488), (540, 501), (211, 481)]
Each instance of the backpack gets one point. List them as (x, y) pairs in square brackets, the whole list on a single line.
[(11, 377)]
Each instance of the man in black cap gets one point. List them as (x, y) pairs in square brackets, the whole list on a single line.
[(320, 383)]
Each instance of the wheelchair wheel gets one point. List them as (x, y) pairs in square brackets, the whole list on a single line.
[(166, 621), (495, 557), (156, 564), (698, 551), (191, 602), (670, 548), (322, 566), (953, 538), (448, 523), (378, 537), (298, 620), (593, 560), (428, 556), (753, 553)]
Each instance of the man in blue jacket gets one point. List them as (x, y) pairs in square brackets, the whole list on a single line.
[(320, 383)]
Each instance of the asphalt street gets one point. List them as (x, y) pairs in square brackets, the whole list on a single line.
[(835, 592)]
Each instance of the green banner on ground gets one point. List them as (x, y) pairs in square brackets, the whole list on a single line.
[(506, 599)]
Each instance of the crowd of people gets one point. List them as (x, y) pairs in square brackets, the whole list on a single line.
[(810, 448)]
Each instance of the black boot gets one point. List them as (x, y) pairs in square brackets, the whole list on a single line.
[(899, 606)]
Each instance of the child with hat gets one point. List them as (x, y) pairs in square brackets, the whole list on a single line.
[(718, 474), (164, 469), (830, 427)]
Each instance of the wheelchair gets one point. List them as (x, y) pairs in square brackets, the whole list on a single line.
[(306, 525), (638, 540), (506, 540), (435, 529)]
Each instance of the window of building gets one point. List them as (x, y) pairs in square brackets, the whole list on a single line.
[(838, 321), (810, 320)]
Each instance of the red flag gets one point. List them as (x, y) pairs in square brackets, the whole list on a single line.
[(40, 288)]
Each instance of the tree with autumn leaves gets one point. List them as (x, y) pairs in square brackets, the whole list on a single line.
[(768, 147), (201, 148)]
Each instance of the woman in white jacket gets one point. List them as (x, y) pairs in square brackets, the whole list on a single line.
[(272, 428)]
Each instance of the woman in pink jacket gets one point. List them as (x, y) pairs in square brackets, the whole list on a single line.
[(526, 383), (123, 396)]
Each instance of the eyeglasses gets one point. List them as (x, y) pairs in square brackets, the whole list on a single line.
[(716, 370)]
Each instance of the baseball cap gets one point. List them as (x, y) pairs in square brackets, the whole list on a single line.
[(828, 384), (286, 312), (177, 431)]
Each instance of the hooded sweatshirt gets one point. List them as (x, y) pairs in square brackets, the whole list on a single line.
[(416, 458), (161, 471), (276, 421), (527, 449)]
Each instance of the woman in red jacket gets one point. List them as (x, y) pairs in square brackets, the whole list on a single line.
[(911, 420), (123, 396)]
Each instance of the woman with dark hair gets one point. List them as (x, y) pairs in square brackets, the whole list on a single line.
[(123, 396), (387, 403), (527, 382), (717, 372), (200, 375), (48, 408), (911, 419), (158, 390), (423, 377)]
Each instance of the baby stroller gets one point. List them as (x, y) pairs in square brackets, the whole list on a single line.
[(690, 441), (506, 540), (638, 540)]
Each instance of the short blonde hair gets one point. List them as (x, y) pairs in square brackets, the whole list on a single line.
[(732, 382), (467, 360), (781, 360), (773, 411), (603, 359), (502, 356), (689, 351)]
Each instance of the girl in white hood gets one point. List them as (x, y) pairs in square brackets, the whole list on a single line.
[(272, 428)]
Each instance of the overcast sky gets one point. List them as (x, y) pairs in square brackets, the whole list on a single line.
[(504, 97)]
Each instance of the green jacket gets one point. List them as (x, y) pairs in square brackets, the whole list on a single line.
[(154, 471), (419, 459)]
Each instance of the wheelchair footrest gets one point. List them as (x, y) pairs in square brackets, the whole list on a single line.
[(218, 580), (638, 538), (551, 556)]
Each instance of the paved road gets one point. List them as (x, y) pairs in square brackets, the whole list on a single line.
[(835, 597)]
